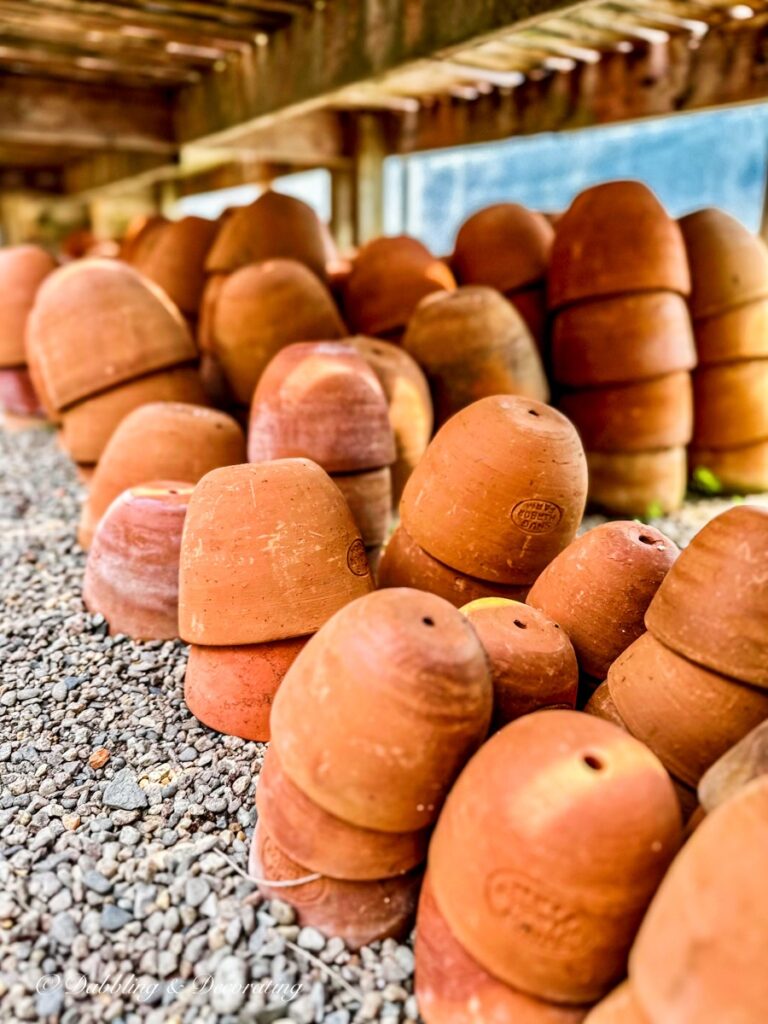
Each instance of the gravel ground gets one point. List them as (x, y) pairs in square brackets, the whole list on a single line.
[(124, 824)]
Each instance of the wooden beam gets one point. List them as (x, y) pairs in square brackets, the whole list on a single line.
[(114, 171), (47, 180)]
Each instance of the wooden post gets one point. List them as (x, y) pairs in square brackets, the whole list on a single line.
[(343, 213), (370, 150)]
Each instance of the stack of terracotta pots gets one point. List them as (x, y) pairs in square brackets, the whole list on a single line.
[(622, 345), (546, 854), (373, 722), (745, 761), (320, 400), (22, 270), (472, 343), (499, 492), (270, 551), (729, 306)]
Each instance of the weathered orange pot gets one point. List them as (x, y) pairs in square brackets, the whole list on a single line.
[(231, 689), (358, 912), (452, 987), (742, 470), (731, 402), (548, 849), (620, 1007), (699, 952), (320, 400), (258, 535), (141, 234), (378, 715), (22, 270), (500, 490), (616, 237), (740, 333), (533, 664), (745, 761), (369, 496), (622, 339), (505, 246), (160, 440), (531, 304), (688, 715), (132, 573), (262, 308), (599, 588), (176, 260), (729, 265), (639, 484), (472, 343), (17, 394), (602, 705), (712, 607), (208, 302), (324, 843)]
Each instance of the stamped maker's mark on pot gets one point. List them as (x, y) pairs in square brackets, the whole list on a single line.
[(536, 515), (544, 921), (357, 560)]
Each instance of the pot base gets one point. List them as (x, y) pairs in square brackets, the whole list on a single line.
[(638, 484)]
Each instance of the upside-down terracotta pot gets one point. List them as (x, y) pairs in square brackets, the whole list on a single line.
[(638, 483), (616, 237), (531, 304), (699, 954), (176, 261), (599, 588), (17, 393), (132, 573), (500, 490), (620, 1007), (257, 537), (622, 339), (22, 270), (320, 400), (207, 312), (745, 761), (160, 440), (533, 664), (742, 470), (358, 912), (688, 715), (731, 403), (712, 607), (472, 343), (740, 333), (452, 987), (548, 849), (324, 843), (369, 496), (602, 705), (141, 234), (505, 246), (379, 713)]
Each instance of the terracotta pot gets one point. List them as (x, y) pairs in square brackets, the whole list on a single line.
[(505, 246), (405, 564), (731, 403), (642, 484), (324, 843), (699, 951), (533, 664), (745, 761), (22, 270), (472, 343), (742, 470), (452, 987), (531, 304), (320, 400), (599, 588), (500, 490), (740, 333), (729, 265), (132, 573), (275, 226), (389, 277), (257, 536), (623, 339), (208, 301), (548, 849), (358, 912), (410, 404), (620, 1007), (261, 309), (369, 496), (616, 237), (176, 261), (231, 689), (602, 705), (378, 715), (160, 440), (686, 714), (17, 395), (712, 606), (97, 324), (141, 234)]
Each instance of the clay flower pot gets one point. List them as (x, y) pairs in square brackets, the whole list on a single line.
[(258, 535), (620, 1007), (531, 304), (731, 403), (740, 333), (616, 237), (699, 952), (176, 260), (742, 470), (472, 343), (548, 849), (500, 490), (745, 761), (388, 279), (533, 664), (729, 265), (686, 714), (17, 394), (405, 564), (505, 246), (377, 716), (132, 573), (599, 588), (207, 311), (311, 836), (320, 400), (452, 987), (262, 308), (622, 339), (358, 912), (712, 606), (160, 440), (602, 705), (141, 234), (638, 483), (369, 496), (22, 270)]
